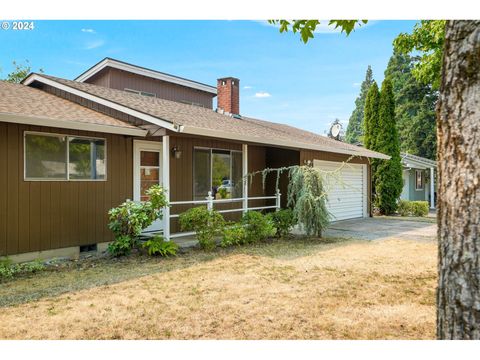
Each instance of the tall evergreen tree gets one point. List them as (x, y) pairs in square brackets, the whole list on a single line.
[(354, 132), (370, 121), (370, 126), (388, 174), (414, 107)]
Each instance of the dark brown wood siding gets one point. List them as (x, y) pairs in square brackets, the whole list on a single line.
[(42, 215), (278, 158), (121, 80), (181, 172)]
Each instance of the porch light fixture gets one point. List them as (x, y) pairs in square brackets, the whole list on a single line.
[(176, 152)]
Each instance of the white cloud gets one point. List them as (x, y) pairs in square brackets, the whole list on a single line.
[(262, 94), (90, 31), (94, 44), (248, 87), (357, 84)]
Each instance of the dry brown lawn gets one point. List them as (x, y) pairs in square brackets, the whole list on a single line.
[(352, 290)]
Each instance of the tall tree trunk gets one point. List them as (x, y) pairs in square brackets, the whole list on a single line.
[(458, 114)]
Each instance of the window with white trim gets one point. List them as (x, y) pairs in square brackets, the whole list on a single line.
[(62, 157), (218, 171), (419, 181), (144, 93)]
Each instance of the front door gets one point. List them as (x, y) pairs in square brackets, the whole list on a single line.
[(147, 169)]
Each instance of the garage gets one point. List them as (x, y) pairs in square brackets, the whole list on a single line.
[(347, 190)]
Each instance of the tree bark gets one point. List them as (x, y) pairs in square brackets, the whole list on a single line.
[(458, 114)]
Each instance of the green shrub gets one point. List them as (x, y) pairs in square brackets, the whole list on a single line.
[(419, 208), (234, 235), (412, 208), (257, 226), (8, 270), (122, 245), (206, 223), (158, 246), (129, 219), (283, 221), (404, 207)]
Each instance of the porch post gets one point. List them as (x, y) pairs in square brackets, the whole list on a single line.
[(432, 188), (166, 184), (244, 176)]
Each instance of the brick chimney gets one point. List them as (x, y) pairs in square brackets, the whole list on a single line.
[(228, 95)]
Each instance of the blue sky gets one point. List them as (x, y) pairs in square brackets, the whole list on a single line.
[(282, 79)]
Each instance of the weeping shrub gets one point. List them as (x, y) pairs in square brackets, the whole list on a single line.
[(307, 196)]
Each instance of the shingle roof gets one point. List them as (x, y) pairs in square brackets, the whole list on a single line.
[(215, 124), (21, 100)]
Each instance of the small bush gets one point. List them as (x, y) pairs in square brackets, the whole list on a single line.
[(404, 207), (206, 223), (158, 246), (283, 221), (9, 270), (129, 219), (257, 226), (420, 208), (122, 245), (412, 208), (234, 235)]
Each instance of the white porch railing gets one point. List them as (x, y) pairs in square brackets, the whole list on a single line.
[(210, 201)]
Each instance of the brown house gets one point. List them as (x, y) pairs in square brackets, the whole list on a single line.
[(71, 150)]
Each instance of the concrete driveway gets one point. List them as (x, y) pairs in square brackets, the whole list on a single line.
[(383, 228)]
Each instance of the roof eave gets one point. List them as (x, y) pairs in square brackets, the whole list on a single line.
[(149, 118), (72, 125), (290, 144), (417, 161)]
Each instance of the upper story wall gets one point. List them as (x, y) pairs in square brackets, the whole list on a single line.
[(121, 80)]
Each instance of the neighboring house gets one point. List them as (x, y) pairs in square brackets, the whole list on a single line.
[(71, 150), (418, 173)]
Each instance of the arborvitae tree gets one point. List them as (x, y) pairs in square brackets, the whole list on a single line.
[(354, 132), (370, 122), (370, 126), (414, 107), (388, 174)]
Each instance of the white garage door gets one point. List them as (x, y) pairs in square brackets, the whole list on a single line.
[(347, 190)]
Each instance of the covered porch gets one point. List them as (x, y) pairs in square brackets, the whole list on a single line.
[(201, 171), (419, 179)]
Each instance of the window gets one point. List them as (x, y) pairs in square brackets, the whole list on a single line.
[(144, 93), (418, 180), (60, 157), (218, 171), (45, 157), (149, 172)]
